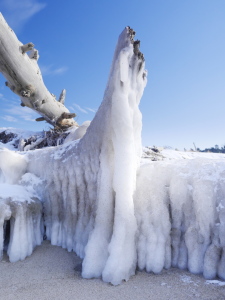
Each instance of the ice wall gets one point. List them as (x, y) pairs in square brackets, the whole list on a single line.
[(180, 211)]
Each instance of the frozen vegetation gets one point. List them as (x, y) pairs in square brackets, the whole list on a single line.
[(101, 200)]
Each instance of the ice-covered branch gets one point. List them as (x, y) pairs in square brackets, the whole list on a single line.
[(24, 78), (62, 96), (27, 47)]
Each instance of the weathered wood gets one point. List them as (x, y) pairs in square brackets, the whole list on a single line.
[(63, 117), (27, 47), (24, 78), (68, 115), (40, 119), (62, 96)]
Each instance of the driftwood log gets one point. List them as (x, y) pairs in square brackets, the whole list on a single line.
[(24, 78)]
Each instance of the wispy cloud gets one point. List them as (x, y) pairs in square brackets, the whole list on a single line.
[(18, 12), (9, 118), (91, 109), (80, 108), (23, 113), (50, 70), (3, 98), (60, 70), (75, 107)]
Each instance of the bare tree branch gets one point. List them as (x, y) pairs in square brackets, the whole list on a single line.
[(24, 79)]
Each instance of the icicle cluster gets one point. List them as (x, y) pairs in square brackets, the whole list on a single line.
[(19, 205), (180, 210)]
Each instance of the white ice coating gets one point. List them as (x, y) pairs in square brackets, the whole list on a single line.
[(99, 202), (76, 133), (180, 210), (19, 203), (90, 184)]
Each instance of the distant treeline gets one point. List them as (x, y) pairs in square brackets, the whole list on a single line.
[(215, 149)]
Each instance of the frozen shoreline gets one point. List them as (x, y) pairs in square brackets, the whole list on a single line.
[(53, 273)]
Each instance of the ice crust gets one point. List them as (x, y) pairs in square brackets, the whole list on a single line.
[(19, 203), (99, 202), (180, 211)]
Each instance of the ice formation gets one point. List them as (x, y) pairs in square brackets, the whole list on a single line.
[(99, 202), (19, 203), (180, 211), (89, 190)]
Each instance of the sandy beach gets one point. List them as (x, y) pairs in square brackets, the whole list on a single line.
[(53, 273)]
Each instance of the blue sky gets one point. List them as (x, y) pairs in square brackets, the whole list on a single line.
[(184, 46)]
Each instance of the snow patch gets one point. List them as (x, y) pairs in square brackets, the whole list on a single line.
[(12, 166), (216, 282), (77, 132)]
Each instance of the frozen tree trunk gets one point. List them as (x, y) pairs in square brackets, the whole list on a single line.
[(24, 79), (89, 191), (89, 184)]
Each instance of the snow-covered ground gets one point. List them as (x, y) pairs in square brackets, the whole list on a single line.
[(169, 154)]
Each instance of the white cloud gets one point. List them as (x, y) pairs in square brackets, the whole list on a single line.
[(18, 12), (60, 70), (9, 118), (24, 113), (91, 109), (85, 110), (2, 97), (80, 108), (50, 70)]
